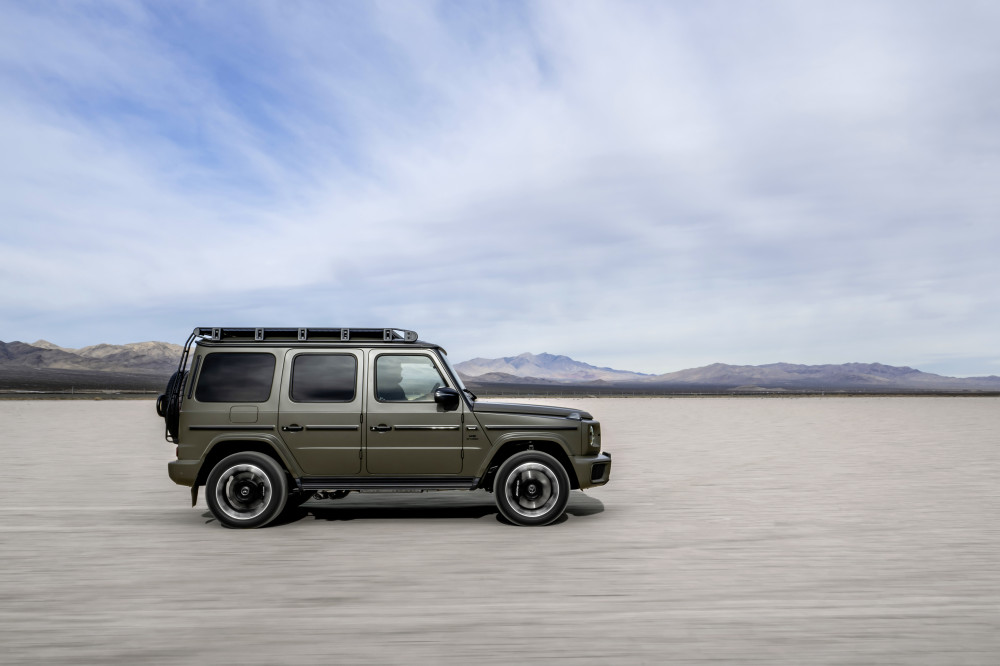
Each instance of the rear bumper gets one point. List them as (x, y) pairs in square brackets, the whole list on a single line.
[(593, 470), (183, 472)]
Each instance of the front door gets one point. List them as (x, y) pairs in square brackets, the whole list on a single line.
[(407, 432), (319, 413)]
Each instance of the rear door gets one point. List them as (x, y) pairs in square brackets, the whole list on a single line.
[(319, 413)]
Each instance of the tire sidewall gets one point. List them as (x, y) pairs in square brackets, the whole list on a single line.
[(279, 489), (500, 485)]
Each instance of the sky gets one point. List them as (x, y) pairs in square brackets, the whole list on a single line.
[(649, 186)]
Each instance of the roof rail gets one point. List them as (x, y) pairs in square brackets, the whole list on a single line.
[(219, 334)]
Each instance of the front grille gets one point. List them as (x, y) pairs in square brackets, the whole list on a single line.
[(597, 471)]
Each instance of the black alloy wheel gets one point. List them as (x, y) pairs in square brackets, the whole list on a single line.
[(531, 488), (246, 490)]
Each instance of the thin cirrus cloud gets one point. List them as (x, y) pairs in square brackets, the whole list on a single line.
[(649, 186)]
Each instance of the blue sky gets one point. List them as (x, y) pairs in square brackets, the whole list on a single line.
[(649, 186)]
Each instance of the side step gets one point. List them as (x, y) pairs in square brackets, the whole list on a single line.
[(388, 483)]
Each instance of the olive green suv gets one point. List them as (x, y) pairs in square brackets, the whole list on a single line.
[(267, 418)]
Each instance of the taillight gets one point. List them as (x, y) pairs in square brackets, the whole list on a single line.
[(177, 452)]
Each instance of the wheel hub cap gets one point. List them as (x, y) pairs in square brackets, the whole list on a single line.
[(532, 489), (243, 492), (247, 491)]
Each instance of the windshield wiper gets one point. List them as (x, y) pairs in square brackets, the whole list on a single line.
[(474, 396)]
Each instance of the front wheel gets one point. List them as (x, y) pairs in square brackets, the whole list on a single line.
[(246, 490), (531, 488)]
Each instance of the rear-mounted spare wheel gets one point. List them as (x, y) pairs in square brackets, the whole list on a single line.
[(168, 405)]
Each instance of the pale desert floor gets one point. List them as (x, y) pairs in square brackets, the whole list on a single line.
[(771, 531)]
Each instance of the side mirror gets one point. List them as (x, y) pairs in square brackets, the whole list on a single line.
[(447, 398)]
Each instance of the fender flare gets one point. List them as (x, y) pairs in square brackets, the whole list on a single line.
[(522, 437), (271, 441)]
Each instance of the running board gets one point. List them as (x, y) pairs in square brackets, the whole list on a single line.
[(388, 483)]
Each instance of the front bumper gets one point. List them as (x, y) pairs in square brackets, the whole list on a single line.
[(183, 472), (593, 470)]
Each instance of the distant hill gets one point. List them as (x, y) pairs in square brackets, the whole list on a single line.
[(155, 356), (543, 367), (505, 378), (42, 365), (527, 369), (844, 376)]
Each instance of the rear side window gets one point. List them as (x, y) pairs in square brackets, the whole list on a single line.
[(324, 378), (235, 378)]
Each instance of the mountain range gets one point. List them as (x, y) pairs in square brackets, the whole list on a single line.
[(154, 357), (550, 369), (43, 365)]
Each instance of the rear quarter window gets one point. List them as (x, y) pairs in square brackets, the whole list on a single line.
[(229, 377)]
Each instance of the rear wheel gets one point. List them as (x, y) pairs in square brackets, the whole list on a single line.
[(246, 490), (531, 488)]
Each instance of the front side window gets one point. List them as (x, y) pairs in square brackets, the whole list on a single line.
[(229, 377), (324, 378), (400, 378)]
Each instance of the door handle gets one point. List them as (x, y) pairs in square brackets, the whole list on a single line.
[(381, 428), (292, 428)]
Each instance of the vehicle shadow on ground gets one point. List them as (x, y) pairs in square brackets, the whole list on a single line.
[(390, 508)]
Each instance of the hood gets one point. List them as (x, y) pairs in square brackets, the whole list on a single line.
[(537, 410)]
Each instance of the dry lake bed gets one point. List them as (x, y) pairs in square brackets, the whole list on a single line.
[(746, 530)]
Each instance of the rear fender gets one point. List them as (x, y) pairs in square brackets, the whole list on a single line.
[(227, 444)]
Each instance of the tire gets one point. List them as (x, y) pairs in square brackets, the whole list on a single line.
[(246, 490), (531, 488)]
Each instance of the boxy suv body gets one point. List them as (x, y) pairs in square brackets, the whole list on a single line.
[(267, 418)]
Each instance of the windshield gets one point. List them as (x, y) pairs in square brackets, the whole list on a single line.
[(453, 371)]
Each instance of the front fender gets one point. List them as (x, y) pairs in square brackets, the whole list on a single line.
[(521, 437)]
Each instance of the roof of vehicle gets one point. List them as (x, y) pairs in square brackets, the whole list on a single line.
[(210, 336)]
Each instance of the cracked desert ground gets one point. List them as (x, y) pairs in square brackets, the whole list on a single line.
[(734, 530)]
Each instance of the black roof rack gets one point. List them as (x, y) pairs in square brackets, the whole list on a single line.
[(219, 334)]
